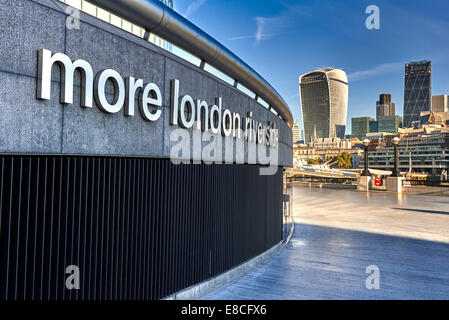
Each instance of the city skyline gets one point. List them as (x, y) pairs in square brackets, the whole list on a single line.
[(146, 156), (335, 35)]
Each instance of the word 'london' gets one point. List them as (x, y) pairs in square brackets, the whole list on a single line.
[(185, 112)]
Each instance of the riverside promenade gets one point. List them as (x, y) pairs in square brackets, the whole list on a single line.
[(339, 233)]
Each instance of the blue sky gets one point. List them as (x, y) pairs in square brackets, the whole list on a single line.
[(285, 39)]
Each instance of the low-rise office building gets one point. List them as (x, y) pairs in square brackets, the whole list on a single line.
[(323, 148), (418, 152), (361, 126), (389, 124), (331, 143), (434, 117)]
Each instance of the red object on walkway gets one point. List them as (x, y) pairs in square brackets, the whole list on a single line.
[(378, 182)]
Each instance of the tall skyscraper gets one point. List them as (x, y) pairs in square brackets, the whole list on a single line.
[(384, 107), (440, 103), (296, 135), (417, 91), (324, 103)]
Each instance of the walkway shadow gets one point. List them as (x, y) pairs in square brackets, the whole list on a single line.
[(330, 263), (423, 211)]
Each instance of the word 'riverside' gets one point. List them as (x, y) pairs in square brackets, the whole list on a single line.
[(185, 111)]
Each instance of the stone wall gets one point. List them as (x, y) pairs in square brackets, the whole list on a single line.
[(32, 126)]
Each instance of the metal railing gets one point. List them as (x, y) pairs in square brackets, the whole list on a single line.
[(346, 180), (158, 19), (427, 183), (288, 221)]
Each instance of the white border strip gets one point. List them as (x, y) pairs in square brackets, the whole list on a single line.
[(207, 286)]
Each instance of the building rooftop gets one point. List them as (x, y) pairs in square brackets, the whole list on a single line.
[(332, 73)]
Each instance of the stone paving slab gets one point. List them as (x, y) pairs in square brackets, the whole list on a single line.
[(339, 233)]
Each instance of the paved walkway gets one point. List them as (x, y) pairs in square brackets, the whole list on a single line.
[(339, 233)]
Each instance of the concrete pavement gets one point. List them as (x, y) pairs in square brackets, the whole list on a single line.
[(339, 233)]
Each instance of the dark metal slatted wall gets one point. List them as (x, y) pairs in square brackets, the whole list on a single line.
[(136, 228)]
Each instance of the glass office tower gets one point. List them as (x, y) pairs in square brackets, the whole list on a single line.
[(417, 91), (324, 103), (389, 124), (361, 126)]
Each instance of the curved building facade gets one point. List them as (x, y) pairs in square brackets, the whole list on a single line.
[(126, 172), (324, 103)]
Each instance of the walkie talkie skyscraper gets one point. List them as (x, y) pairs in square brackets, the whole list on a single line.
[(324, 103)]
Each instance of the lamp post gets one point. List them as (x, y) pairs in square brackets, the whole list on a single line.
[(396, 158), (365, 172)]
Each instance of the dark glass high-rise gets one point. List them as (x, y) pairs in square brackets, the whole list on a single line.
[(417, 91)]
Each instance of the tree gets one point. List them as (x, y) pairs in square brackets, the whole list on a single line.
[(315, 161), (346, 160), (343, 160)]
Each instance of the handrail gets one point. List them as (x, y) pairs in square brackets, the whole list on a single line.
[(159, 19)]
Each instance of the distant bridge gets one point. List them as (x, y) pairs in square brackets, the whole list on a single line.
[(323, 172)]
